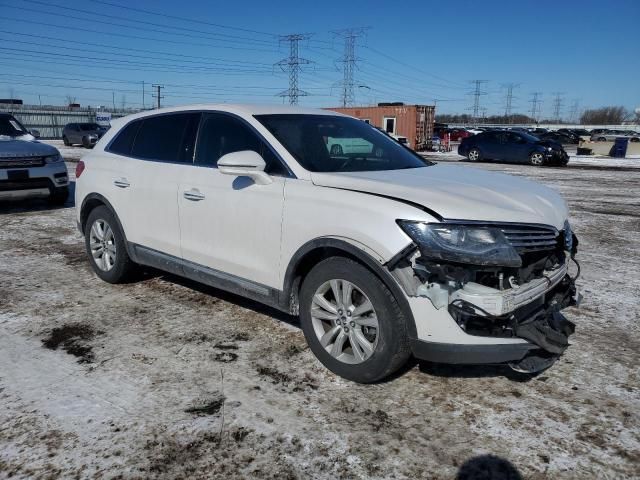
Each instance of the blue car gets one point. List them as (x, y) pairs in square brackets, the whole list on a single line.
[(513, 147)]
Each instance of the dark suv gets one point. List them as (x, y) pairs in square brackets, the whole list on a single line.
[(85, 134), (514, 147)]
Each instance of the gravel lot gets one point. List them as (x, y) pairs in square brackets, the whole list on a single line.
[(163, 378)]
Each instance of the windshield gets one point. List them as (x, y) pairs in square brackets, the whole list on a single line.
[(11, 127), (87, 127), (328, 143)]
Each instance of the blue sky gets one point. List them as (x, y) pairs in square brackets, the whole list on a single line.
[(101, 51)]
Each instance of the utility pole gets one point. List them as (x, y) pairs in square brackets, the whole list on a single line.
[(349, 62), (157, 96), (113, 100), (477, 93), (143, 95), (557, 105), (292, 64), (509, 100), (536, 103)]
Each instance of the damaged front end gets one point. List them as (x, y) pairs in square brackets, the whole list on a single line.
[(496, 280)]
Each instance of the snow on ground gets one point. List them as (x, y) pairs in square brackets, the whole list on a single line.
[(163, 378)]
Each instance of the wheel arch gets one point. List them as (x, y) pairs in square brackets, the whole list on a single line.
[(90, 203), (314, 251)]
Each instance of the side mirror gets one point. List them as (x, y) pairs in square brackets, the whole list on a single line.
[(245, 164), (35, 133)]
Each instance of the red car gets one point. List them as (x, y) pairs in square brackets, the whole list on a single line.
[(457, 134)]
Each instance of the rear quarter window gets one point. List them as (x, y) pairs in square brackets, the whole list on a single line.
[(123, 142)]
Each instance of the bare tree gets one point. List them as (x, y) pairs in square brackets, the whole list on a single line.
[(123, 102), (70, 99), (604, 116)]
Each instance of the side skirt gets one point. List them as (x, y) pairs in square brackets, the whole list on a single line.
[(208, 276)]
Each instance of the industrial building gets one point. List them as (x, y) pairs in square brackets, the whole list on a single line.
[(412, 121)]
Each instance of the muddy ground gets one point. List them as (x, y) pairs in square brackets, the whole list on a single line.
[(163, 378)]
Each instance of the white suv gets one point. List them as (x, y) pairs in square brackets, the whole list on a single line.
[(381, 253)]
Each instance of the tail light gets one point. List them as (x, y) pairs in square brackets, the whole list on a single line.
[(79, 169)]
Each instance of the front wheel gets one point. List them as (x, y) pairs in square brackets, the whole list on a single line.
[(536, 158), (474, 155), (352, 322), (66, 142)]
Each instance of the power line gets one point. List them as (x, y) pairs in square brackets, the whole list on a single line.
[(94, 31), (349, 59), (175, 17), (138, 22), (477, 93), (292, 64), (157, 95)]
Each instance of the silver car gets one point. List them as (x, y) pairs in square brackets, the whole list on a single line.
[(29, 168), (85, 134), (611, 135)]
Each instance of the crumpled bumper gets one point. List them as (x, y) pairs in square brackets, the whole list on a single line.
[(540, 323)]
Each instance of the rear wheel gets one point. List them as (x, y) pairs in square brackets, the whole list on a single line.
[(65, 140), (105, 244), (474, 155), (352, 322), (336, 150), (536, 158), (602, 139)]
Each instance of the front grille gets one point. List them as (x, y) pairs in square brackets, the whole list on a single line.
[(22, 162), (531, 238)]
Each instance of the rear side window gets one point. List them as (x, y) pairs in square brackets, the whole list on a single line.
[(124, 139), (221, 134), (161, 138)]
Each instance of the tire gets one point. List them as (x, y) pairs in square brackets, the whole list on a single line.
[(634, 139), (59, 196), (474, 155), (336, 150), (86, 143), (602, 139), (387, 342), (109, 269), (536, 159), (66, 142)]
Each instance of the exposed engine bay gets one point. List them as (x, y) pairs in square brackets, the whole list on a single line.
[(503, 301)]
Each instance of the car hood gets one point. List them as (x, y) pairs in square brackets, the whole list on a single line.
[(11, 147), (460, 193)]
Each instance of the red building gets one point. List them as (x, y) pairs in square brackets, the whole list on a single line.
[(412, 121)]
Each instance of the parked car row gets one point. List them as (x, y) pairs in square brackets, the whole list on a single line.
[(564, 136)]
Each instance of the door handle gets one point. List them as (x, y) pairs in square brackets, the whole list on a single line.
[(122, 183), (194, 195)]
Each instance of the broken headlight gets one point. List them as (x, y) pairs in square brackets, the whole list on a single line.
[(475, 245)]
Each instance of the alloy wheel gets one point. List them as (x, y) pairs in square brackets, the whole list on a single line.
[(474, 155), (344, 321), (102, 243), (537, 159)]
